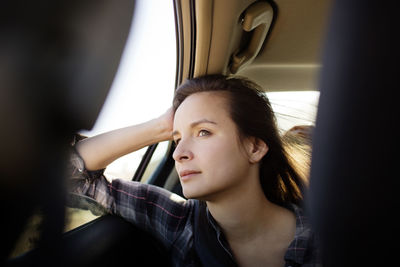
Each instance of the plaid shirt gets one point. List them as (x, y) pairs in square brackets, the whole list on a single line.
[(170, 217)]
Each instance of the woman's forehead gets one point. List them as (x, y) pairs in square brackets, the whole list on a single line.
[(204, 101), (211, 106)]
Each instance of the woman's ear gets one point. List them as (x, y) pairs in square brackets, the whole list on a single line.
[(256, 149)]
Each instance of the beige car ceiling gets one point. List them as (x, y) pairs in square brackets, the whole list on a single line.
[(289, 58)]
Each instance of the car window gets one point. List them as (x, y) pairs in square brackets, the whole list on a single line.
[(157, 157), (142, 89), (144, 84), (293, 108)]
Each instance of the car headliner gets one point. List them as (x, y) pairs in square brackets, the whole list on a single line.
[(217, 33)]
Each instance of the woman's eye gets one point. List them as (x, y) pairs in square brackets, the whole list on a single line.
[(177, 141), (204, 133)]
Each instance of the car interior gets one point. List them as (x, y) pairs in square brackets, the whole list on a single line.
[(69, 53)]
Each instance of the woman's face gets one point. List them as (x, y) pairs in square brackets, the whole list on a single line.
[(209, 157)]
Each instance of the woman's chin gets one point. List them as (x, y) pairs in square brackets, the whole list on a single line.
[(192, 194), (188, 194)]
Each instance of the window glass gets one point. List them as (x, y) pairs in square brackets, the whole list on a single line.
[(294, 108), (142, 89), (158, 155), (144, 84)]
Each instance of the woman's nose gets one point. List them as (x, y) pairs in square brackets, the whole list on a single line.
[(182, 152)]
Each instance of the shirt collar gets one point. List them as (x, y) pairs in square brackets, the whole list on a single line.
[(298, 249), (220, 235)]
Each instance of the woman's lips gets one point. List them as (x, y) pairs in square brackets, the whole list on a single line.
[(186, 174)]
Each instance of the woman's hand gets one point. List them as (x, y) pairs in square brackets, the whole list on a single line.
[(165, 122)]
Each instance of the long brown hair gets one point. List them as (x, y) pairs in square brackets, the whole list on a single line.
[(252, 113)]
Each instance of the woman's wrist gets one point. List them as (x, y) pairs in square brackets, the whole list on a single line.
[(163, 129), (164, 125)]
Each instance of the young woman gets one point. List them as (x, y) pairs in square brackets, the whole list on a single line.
[(243, 195)]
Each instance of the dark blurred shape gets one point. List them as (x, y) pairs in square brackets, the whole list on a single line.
[(353, 190), (57, 62), (106, 241)]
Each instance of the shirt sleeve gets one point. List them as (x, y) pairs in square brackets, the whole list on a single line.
[(149, 207)]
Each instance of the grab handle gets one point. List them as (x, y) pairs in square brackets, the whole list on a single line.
[(257, 18)]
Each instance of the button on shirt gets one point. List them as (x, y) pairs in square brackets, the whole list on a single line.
[(170, 217)]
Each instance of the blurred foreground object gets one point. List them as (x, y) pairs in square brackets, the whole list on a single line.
[(57, 62), (353, 176)]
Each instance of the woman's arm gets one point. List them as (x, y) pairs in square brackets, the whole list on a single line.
[(99, 151)]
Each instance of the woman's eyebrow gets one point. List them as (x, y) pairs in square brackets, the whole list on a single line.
[(194, 124)]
